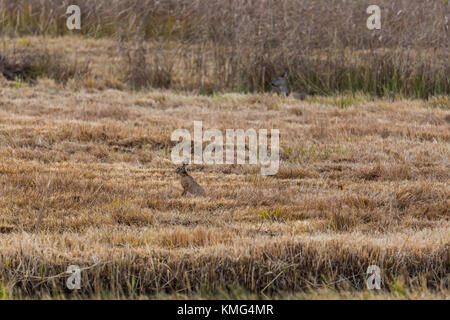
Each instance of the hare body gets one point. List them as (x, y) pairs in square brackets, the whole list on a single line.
[(189, 184), (282, 84)]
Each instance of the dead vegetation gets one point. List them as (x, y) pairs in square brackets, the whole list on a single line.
[(361, 185), (85, 171), (212, 46), (27, 65)]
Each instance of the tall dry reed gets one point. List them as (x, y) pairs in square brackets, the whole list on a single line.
[(241, 45)]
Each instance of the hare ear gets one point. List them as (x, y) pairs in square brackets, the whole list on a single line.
[(285, 74)]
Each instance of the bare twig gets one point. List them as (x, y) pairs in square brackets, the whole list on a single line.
[(44, 204)]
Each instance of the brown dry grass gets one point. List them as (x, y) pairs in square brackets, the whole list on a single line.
[(361, 185), (242, 45), (293, 24)]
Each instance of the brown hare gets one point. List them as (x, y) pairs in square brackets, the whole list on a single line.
[(282, 84), (188, 183)]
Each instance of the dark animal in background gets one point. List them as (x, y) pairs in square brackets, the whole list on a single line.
[(282, 84)]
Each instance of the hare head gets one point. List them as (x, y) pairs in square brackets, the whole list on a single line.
[(182, 170)]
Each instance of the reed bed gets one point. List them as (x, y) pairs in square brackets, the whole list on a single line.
[(242, 45)]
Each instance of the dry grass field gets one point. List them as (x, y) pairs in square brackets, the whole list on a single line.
[(362, 181)]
